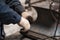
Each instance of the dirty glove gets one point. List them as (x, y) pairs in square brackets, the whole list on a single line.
[(25, 24), (32, 14)]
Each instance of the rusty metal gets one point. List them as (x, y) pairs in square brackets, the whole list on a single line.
[(36, 36)]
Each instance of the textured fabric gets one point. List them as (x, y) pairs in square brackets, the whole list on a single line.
[(9, 10), (7, 14), (15, 5)]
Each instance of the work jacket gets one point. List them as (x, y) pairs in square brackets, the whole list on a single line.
[(9, 10)]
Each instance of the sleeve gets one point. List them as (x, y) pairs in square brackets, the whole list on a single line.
[(15, 5), (7, 15)]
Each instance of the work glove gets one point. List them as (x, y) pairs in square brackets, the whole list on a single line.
[(30, 14), (25, 24)]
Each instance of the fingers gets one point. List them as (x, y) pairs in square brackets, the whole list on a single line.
[(25, 24), (26, 14), (32, 14)]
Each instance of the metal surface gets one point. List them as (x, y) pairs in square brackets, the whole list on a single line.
[(44, 25), (34, 35)]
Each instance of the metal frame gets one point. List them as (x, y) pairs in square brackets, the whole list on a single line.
[(25, 35), (36, 36)]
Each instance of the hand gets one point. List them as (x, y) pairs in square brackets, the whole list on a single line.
[(30, 13), (25, 24), (26, 14)]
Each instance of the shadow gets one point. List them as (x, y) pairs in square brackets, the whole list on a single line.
[(44, 17)]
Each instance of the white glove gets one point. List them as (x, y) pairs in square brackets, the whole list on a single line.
[(30, 13), (25, 24)]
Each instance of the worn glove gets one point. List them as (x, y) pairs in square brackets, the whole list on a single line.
[(32, 14), (25, 24)]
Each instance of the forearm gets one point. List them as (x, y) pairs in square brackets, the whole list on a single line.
[(8, 15), (15, 5)]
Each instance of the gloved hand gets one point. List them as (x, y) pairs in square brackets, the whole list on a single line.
[(25, 24), (32, 14)]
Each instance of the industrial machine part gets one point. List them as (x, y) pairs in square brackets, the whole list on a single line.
[(44, 28), (55, 5), (35, 36)]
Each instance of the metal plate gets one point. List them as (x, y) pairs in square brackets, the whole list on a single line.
[(44, 25)]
